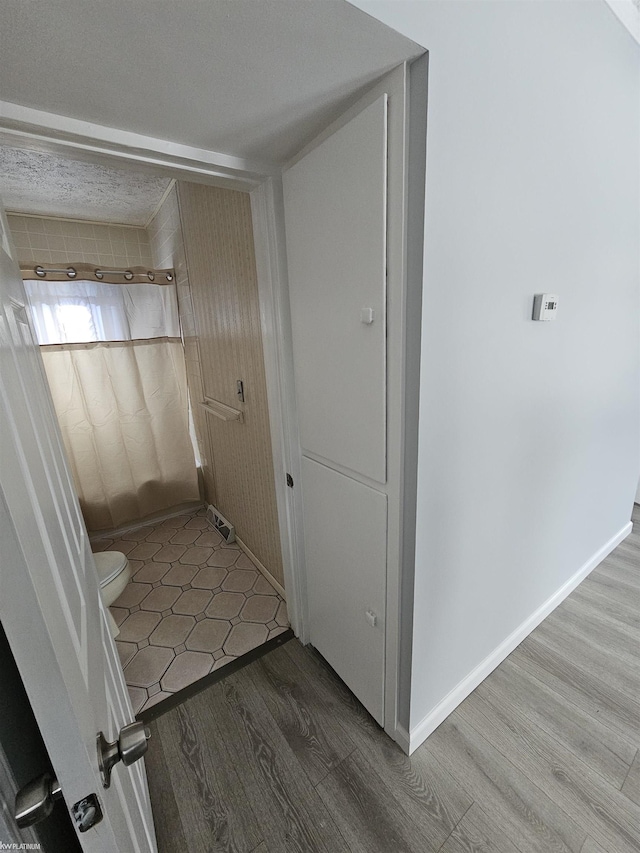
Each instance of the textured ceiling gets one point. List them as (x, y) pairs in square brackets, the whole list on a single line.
[(253, 78), (45, 183)]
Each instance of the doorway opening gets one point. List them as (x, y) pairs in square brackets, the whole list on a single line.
[(195, 601)]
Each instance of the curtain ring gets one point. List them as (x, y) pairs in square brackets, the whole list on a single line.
[(151, 276), (71, 272), (169, 277), (40, 272), (128, 275), (99, 275)]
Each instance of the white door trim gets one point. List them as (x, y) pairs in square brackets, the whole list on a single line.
[(271, 266), (28, 128)]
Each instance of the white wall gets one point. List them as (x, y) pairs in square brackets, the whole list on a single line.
[(528, 451)]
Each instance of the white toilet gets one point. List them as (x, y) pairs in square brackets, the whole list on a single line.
[(114, 573)]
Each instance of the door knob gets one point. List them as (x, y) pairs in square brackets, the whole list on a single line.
[(130, 746), (34, 802)]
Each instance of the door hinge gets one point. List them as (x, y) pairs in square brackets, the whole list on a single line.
[(289, 481)]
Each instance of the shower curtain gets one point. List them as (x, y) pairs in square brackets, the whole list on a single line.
[(115, 364)]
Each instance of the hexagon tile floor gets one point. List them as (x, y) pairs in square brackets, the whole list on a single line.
[(192, 605)]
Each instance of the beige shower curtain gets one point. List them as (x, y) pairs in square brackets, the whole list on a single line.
[(123, 412)]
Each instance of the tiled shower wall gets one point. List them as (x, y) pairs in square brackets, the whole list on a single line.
[(58, 241)]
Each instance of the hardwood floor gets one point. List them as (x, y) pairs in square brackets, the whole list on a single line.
[(541, 758)]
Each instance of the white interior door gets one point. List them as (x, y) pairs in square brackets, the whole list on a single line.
[(50, 603), (336, 225)]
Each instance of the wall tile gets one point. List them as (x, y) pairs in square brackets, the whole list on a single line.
[(58, 241)]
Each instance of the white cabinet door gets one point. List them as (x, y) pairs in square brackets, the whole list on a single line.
[(335, 218), (49, 596), (346, 547)]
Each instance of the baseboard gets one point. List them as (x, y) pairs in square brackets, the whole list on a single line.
[(263, 569), (430, 723)]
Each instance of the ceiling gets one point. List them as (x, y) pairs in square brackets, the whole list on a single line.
[(51, 185), (254, 78), (628, 12)]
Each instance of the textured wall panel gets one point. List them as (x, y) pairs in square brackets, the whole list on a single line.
[(218, 239)]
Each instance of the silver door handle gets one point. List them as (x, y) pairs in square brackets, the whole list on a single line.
[(130, 746), (34, 802)]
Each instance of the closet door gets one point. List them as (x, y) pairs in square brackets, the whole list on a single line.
[(336, 223), (335, 202)]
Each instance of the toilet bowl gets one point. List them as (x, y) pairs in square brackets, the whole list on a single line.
[(114, 573)]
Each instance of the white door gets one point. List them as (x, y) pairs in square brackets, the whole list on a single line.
[(336, 226), (49, 597)]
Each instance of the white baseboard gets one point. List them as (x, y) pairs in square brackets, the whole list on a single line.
[(263, 569), (402, 738), (430, 723)]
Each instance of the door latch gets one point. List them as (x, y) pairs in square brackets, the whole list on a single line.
[(130, 746), (34, 802), (240, 390)]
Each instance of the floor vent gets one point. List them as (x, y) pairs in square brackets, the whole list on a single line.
[(224, 527)]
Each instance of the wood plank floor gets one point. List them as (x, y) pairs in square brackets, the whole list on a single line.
[(541, 758)]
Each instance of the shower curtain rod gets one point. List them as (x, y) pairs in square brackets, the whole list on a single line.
[(136, 275)]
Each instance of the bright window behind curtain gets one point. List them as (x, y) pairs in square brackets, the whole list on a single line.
[(66, 312), (115, 365)]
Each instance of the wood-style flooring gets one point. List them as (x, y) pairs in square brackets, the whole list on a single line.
[(541, 758)]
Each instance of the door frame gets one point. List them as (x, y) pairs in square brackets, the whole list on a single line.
[(29, 128), (267, 208)]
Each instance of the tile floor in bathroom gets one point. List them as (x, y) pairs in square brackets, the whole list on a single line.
[(193, 604)]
